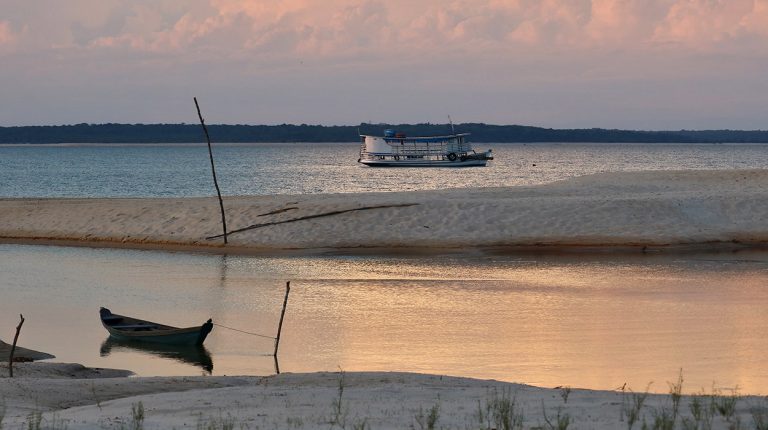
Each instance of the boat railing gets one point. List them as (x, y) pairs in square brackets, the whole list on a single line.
[(427, 150)]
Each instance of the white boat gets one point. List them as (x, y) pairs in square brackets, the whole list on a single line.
[(398, 150)]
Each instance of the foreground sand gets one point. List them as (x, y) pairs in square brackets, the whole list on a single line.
[(88, 398), (654, 209)]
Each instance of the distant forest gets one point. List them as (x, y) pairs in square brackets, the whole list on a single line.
[(192, 133)]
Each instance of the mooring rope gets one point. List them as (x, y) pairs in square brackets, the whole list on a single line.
[(243, 331)]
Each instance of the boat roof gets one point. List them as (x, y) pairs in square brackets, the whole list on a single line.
[(447, 136)]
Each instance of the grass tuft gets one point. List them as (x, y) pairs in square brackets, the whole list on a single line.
[(759, 416), (429, 420), (500, 412), (137, 416), (702, 409), (725, 404), (216, 423), (338, 411), (676, 393), (560, 421), (34, 420), (632, 404)]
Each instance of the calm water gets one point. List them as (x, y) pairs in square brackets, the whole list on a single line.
[(586, 322), (285, 168), (593, 321)]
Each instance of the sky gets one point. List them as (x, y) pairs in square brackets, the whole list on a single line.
[(634, 64)]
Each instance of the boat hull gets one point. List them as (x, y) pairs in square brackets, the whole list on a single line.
[(124, 328), (184, 336), (422, 163)]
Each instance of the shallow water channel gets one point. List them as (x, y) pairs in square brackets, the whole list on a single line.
[(584, 320)]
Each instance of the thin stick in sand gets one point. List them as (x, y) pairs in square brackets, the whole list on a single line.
[(213, 170), (13, 348), (280, 326)]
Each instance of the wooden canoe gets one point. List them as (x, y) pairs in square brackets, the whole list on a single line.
[(127, 328)]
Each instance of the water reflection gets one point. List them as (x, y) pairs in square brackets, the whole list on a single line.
[(592, 321), (195, 355)]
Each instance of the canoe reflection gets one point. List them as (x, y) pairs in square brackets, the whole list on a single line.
[(195, 355)]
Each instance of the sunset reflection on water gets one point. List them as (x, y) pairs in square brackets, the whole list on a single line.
[(591, 321)]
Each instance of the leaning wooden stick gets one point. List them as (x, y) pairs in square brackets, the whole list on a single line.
[(13, 347), (282, 314), (213, 169)]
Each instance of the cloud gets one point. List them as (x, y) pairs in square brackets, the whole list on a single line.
[(347, 27), (527, 59), (708, 24), (7, 37)]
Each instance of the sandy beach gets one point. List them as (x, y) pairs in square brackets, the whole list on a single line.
[(627, 209), (70, 396)]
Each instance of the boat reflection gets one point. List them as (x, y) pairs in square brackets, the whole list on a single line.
[(195, 355)]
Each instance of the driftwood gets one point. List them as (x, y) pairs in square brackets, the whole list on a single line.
[(364, 208), (279, 211), (13, 348), (213, 170)]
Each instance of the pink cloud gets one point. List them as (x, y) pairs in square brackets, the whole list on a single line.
[(703, 23), (7, 36), (334, 28), (625, 22)]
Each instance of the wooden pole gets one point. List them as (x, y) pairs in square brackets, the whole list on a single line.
[(282, 315), (213, 170), (13, 347)]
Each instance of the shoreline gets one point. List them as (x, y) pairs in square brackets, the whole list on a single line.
[(668, 211), (542, 249)]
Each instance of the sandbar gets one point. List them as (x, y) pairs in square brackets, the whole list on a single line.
[(619, 210)]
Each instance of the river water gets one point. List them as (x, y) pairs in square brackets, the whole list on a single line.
[(584, 320), (301, 168), (595, 321)]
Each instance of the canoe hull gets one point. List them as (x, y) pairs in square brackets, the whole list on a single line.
[(124, 328), (183, 336)]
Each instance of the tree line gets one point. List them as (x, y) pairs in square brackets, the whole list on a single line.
[(192, 133)]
